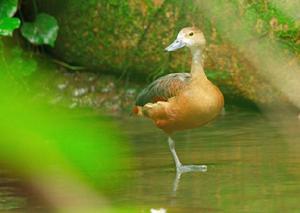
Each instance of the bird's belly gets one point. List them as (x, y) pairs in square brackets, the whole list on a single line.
[(181, 120), (192, 110)]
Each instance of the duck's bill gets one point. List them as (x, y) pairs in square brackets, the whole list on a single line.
[(177, 44)]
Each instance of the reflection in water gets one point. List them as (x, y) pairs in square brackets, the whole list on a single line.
[(176, 182), (180, 172)]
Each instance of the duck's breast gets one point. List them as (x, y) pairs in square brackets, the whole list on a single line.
[(196, 106)]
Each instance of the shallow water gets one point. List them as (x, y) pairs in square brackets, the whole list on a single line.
[(253, 166)]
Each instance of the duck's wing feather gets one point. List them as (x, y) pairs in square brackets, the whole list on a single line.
[(163, 88)]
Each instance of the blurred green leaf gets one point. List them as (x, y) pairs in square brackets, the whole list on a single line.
[(15, 61), (8, 8), (22, 66), (42, 31), (8, 25), (43, 138)]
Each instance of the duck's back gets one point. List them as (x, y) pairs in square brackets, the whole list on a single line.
[(163, 88)]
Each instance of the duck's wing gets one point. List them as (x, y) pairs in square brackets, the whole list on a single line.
[(163, 88)]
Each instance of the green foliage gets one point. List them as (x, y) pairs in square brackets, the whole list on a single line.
[(22, 64), (8, 24), (42, 31), (35, 134), (54, 150), (8, 8), (15, 62), (41, 138)]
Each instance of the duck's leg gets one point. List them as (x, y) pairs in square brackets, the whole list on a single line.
[(184, 168), (174, 154)]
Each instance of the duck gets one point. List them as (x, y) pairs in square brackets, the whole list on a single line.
[(181, 101)]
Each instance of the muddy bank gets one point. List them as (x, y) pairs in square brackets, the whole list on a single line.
[(85, 90)]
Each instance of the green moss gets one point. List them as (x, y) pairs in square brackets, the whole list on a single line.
[(14, 62), (127, 38), (284, 27)]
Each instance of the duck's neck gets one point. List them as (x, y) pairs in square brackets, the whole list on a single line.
[(197, 70)]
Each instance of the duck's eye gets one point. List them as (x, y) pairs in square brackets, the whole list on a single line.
[(191, 34)]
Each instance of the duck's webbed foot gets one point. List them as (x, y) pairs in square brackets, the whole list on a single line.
[(155, 110), (191, 168)]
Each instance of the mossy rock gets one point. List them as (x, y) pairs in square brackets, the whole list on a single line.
[(128, 38)]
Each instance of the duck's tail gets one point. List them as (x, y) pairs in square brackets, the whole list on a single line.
[(138, 110)]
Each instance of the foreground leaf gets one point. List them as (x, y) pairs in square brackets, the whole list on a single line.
[(42, 31), (8, 8), (15, 62), (8, 25), (21, 64)]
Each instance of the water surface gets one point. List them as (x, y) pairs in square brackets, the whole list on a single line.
[(253, 166)]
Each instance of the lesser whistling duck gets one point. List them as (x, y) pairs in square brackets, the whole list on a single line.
[(180, 101)]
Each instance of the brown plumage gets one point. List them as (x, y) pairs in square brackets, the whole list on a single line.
[(181, 101), (163, 88)]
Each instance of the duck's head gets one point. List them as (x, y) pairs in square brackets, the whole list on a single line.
[(190, 37)]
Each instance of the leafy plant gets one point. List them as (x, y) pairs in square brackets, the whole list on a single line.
[(42, 31), (15, 62), (7, 23), (8, 8)]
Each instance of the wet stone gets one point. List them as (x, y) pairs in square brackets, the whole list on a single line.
[(86, 89), (93, 88), (80, 91), (62, 86), (108, 88), (91, 77), (130, 92)]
